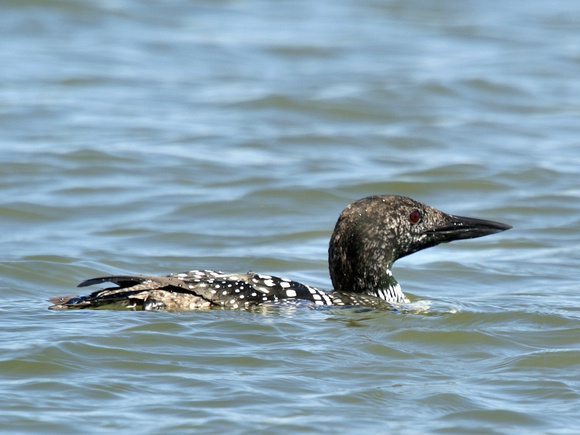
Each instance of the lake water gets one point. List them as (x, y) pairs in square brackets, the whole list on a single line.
[(159, 137)]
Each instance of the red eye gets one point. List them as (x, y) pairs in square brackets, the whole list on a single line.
[(415, 216)]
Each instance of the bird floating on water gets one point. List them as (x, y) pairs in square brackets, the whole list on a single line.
[(370, 235)]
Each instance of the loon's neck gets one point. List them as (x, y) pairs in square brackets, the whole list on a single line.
[(390, 290), (362, 271), (385, 287)]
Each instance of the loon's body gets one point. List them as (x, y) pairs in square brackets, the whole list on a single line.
[(370, 235)]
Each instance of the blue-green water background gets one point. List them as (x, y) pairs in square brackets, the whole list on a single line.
[(156, 137)]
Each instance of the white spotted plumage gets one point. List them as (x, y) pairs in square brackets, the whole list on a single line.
[(230, 289)]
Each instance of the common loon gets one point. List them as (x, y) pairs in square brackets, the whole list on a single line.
[(370, 235)]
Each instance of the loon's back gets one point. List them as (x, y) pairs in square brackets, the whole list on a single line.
[(196, 289)]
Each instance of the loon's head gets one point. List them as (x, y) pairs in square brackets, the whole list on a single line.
[(373, 232)]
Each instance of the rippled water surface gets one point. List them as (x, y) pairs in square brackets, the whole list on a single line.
[(158, 137)]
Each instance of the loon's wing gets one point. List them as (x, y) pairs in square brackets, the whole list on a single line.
[(196, 289), (138, 291)]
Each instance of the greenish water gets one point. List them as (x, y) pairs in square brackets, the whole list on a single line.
[(145, 137)]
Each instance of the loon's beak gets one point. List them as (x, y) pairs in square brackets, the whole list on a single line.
[(458, 228)]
